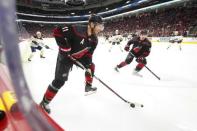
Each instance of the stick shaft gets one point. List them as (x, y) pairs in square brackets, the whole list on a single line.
[(147, 68)]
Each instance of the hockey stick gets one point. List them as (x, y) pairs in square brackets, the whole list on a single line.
[(47, 47), (147, 68), (132, 104), (153, 73), (53, 49)]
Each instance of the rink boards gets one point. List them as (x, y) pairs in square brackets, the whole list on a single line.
[(186, 40)]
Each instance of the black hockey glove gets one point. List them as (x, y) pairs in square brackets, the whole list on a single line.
[(47, 47), (126, 48)]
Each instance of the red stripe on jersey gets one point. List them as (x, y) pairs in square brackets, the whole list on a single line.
[(65, 49), (81, 53)]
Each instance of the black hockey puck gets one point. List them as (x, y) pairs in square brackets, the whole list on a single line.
[(132, 105), (142, 105)]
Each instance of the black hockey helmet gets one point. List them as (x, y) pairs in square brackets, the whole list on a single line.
[(144, 32), (95, 19)]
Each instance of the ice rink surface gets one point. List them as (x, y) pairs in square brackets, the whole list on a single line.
[(170, 104)]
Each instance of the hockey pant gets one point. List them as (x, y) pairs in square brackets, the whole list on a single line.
[(61, 75), (33, 50), (129, 59)]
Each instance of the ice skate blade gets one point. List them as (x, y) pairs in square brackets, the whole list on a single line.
[(138, 75), (116, 69), (89, 93)]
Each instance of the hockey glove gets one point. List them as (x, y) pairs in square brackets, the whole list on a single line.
[(126, 48), (47, 47)]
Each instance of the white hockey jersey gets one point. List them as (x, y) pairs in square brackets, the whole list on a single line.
[(116, 39), (35, 42), (176, 38)]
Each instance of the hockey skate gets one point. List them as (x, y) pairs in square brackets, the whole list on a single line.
[(41, 56), (116, 69), (29, 59), (89, 90), (136, 73), (45, 107)]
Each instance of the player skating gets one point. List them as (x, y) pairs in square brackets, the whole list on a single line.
[(140, 50), (37, 44), (176, 38), (116, 39), (106, 36), (78, 42)]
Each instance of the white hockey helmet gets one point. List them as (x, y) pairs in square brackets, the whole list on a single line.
[(38, 34), (117, 32)]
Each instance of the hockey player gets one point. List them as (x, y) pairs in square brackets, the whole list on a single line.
[(116, 39), (78, 42), (106, 37), (140, 50), (37, 44), (176, 38)]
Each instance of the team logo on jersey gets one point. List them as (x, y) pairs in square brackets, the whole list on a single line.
[(82, 42), (64, 29)]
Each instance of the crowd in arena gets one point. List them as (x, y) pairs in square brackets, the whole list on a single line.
[(159, 23)]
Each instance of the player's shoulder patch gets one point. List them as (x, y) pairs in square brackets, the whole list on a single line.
[(65, 29)]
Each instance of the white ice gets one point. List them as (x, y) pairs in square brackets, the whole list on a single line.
[(170, 104)]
